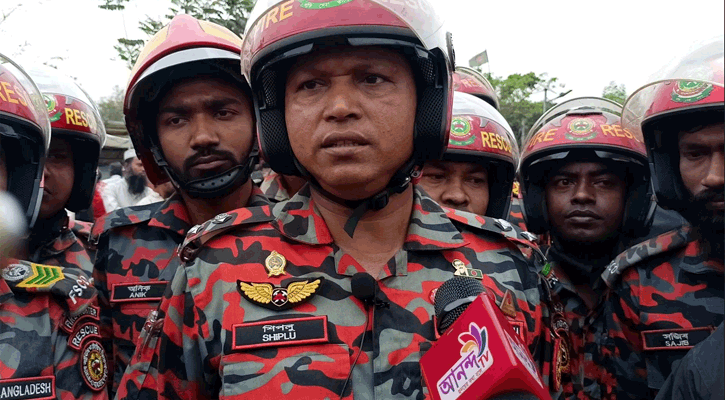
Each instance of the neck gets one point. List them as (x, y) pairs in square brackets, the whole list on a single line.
[(379, 234), (202, 210), (292, 184)]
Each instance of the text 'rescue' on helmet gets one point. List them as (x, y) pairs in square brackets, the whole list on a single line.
[(24, 135), (468, 80), (278, 31), (183, 49), (586, 128), (684, 96), (480, 135), (74, 116)]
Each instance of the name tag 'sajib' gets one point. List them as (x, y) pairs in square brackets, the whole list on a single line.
[(280, 332), (37, 388), (138, 291), (674, 339)]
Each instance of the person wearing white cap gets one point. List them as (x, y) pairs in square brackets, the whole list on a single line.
[(130, 190)]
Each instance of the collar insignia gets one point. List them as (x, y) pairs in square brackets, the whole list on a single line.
[(279, 298)]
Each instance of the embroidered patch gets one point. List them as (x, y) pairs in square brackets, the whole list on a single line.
[(280, 332), (91, 312), (36, 388), (279, 298), (85, 331), (561, 360), (42, 276), (138, 291), (16, 272), (94, 366), (508, 305), (674, 339)]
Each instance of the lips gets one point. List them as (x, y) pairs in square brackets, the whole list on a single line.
[(343, 140), (583, 214)]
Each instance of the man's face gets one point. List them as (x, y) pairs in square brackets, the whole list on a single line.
[(459, 185), (350, 114), (585, 202), (205, 127), (135, 167), (702, 167), (58, 177)]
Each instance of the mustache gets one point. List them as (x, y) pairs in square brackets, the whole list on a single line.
[(222, 154), (709, 195)]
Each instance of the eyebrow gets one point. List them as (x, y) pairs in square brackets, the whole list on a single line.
[(212, 104)]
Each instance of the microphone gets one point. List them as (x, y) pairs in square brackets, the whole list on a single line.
[(365, 288), (478, 355)]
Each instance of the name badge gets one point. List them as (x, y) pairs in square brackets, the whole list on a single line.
[(674, 339), (37, 388), (138, 291), (280, 332)]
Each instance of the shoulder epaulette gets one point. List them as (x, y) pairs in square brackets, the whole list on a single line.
[(81, 229), (199, 235), (641, 252), (71, 286), (126, 216)]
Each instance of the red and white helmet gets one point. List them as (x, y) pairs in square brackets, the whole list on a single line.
[(279, 30), (683, 96), (468, 80), (480, 135), (584, 128), (184, 48), (75, 117), (24, 135)]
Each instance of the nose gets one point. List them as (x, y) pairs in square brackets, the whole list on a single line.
[(583, 193), (342, 102), (715, 177), (454, 196), (204, 132)]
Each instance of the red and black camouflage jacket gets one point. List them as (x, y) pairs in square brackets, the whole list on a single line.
[(668, 297), (58, 245), (262, 306), (133, 265), (272, 187), (49, 335)]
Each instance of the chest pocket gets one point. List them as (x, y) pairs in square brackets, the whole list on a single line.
[(315, 371)]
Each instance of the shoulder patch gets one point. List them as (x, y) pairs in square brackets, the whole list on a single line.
[(199, 235), (639, 253), (123, 217), (94, 365)]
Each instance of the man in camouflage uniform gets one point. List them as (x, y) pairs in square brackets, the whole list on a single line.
[(190, 117), (49, 334), (263, 306), (669, 290), (78, 135), (586, 186)]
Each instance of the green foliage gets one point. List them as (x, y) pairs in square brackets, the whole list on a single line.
[(231, 14), (514, 94), (111, 107), (614, 92)]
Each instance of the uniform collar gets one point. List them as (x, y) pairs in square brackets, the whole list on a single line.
[(273, 188), (172, 215), (430, 228)]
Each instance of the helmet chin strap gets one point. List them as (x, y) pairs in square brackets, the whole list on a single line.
[(398, 183), (216, 186)]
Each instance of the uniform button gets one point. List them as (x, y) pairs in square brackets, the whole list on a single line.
[(194, 230), (222, 218), (503, 224)]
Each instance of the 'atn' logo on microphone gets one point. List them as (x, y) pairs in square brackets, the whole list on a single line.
[(475, 359)]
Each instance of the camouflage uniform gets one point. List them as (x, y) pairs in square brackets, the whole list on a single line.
[(272, 187), (49, 334), (55, 243), (207, 339), (668, 297), (135, 248)]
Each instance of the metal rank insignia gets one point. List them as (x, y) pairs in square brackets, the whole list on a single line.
[(279, 298), (275, 264), (462, 270)]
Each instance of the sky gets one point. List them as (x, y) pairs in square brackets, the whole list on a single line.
[(585, 44)]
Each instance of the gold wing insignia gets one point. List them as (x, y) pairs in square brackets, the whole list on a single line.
[(259, 292), (298, 291)]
